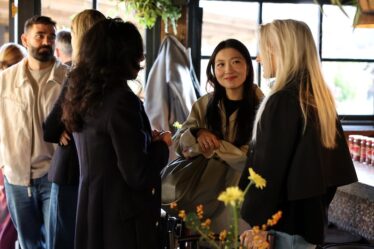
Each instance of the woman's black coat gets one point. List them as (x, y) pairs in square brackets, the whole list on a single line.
[(301, 174), (119, 191), (64, 168)]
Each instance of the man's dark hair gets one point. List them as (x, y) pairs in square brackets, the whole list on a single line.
[(64, 38), (38, 20)]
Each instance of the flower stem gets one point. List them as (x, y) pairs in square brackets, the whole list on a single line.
[(247, 188), (206, 237), (236, 229)]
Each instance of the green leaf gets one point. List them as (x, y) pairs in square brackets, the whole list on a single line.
[(147, 12)]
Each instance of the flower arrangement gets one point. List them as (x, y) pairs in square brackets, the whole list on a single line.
[(228, 239)]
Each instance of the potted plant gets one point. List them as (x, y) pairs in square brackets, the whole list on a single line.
[(147, 11)]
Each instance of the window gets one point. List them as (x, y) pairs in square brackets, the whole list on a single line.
[(340, 40), (114, 9), (273, 11), (4, 21), (347, 54), (348, 61), (223, 20), (62, 12)]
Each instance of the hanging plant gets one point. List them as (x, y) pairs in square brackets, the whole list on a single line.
[(364, 16), (147, 11)]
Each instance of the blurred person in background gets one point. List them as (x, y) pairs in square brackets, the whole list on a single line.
[(64, 50), (10, 54)]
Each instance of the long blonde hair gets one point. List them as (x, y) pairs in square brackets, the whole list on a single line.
[(81, 23), (295, 57)]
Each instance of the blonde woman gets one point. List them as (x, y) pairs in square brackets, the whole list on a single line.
[(298, 142), (64, 171)]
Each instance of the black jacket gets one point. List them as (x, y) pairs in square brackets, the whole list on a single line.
[(119, 199), (302, 175), (64, 166)]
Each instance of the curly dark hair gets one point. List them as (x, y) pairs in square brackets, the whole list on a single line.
[(248, 105), (109, 55)]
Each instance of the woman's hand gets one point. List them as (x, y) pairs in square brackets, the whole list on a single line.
[(254, 239), (162, 135), (208, 141), (64, 138)]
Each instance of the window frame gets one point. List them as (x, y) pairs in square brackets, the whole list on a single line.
[(358, 120)]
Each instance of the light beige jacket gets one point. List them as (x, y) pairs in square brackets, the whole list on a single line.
[(17, 101), (186, 144)]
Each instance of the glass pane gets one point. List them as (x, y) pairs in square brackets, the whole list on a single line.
[(340, 40), (352, 84), (203, 84), (113, 9), (298, 12), (255, 76), (229, 19), (62, 12), (4, 21)]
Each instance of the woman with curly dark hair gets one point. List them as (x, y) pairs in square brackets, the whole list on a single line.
[(120, 156)]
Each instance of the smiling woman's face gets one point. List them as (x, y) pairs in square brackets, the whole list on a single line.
[(230, 69)]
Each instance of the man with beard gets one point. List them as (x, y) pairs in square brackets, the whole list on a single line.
[(28, 91)]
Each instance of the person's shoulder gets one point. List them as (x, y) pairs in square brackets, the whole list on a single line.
[(124, 96), (16, 70), (290, 90), (203, 100), (61, 66), (289, 94), (60, 71)]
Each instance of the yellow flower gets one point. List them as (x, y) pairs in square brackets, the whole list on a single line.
[(223, 235), (232, 196), (206, 223), (182, 214), (200, 211), (177, 125), (257, 179)]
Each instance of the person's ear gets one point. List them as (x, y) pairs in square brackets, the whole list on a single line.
[(24, 40), (57, 52)]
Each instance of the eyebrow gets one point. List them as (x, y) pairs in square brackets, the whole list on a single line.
[(44, 33), (232, 58)]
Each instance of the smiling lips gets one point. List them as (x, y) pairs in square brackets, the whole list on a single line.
[(230, 78)]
